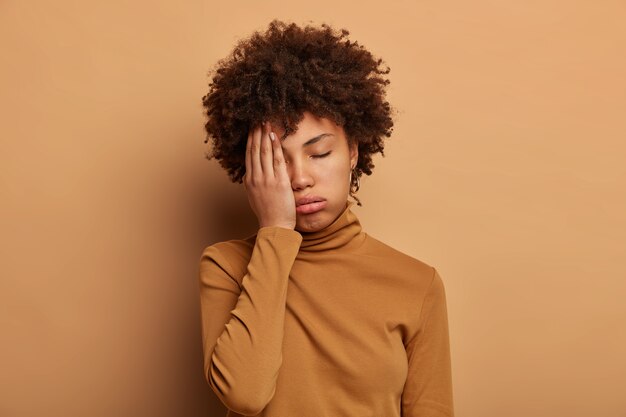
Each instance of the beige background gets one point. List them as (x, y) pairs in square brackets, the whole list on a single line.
[(505, 171)]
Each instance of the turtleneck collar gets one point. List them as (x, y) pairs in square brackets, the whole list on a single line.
[(342, 231)]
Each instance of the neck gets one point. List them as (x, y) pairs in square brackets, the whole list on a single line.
[(340, 233)]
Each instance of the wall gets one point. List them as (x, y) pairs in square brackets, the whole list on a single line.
[(506, 171)]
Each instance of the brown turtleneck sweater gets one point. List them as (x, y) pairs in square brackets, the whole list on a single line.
[(329, 323)]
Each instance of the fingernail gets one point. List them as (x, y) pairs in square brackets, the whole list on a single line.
[(272, 135)]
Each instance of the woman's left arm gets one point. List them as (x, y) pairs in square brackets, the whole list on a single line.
[(428, 388)]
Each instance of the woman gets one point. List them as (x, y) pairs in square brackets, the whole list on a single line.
[(311, 316)]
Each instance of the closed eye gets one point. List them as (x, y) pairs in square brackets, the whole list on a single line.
[(322, 156)]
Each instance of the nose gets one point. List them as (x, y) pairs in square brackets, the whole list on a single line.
[(299, 175)]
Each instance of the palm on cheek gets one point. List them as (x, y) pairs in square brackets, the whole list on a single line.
[(266, 180)]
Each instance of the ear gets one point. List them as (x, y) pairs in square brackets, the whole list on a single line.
[(354, 153)]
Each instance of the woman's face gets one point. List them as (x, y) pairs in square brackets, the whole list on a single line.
[(319, 162)]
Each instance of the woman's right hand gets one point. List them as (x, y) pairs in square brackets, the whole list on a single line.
[(266, 180)]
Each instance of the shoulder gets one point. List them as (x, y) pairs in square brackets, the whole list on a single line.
[(416, 284), (397, 260), (231, 256)]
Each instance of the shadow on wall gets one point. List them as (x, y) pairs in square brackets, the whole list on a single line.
[(224, 206), (226, 215)]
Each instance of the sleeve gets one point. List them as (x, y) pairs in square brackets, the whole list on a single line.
[(242, 327), (428, 388)]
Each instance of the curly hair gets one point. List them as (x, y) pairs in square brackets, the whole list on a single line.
[(287, 70)]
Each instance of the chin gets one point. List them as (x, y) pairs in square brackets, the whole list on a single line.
[(311, 222)]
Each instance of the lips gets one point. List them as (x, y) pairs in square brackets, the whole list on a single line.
[(308, 199), (310, 205)]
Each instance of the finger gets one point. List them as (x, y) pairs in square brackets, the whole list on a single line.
[(255, 159), (248, 156), (267, 153), (280, 168)]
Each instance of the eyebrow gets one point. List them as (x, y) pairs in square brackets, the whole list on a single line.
[(316, 139)]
